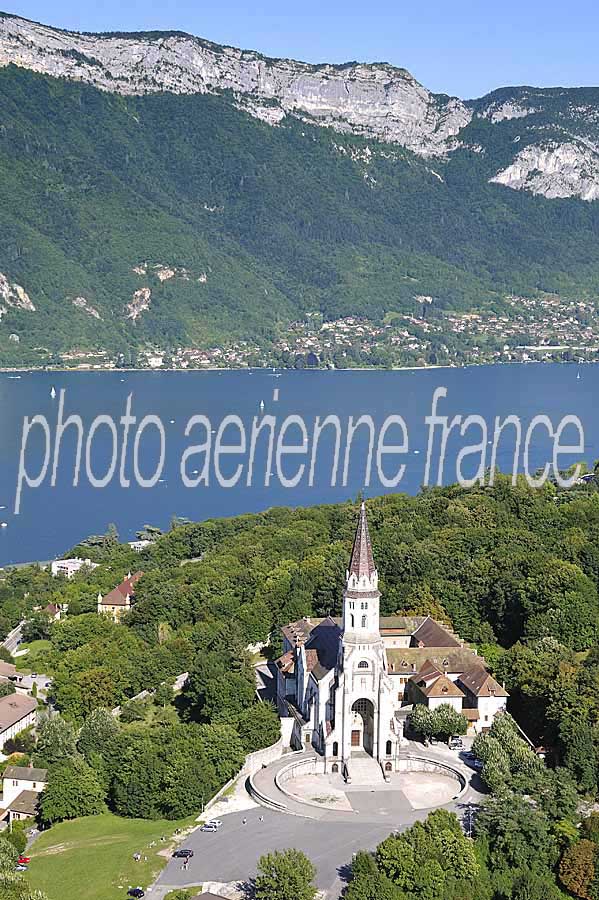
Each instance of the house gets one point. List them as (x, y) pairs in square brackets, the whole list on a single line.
[(17, 712), (119, 600), (346, 682), (68, 567), (138, 546), (53, 611), (21, 786)]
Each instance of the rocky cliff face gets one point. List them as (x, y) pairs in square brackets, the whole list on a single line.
[(555, 147), (378, 100)]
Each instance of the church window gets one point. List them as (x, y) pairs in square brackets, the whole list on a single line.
[(388, 748), (363, 664), (335, 749), (364, 620), (351, 619)]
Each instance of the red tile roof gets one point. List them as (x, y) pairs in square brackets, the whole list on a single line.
[(118, 595)]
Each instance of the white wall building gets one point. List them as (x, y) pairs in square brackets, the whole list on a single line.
[(68, 567), (345, 680)]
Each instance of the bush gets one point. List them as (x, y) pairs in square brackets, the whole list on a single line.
[(17, 836), (23, 742)]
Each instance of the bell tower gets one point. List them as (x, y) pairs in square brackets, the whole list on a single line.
[(361, 597)]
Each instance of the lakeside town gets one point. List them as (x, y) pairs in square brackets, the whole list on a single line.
[(543, 329)]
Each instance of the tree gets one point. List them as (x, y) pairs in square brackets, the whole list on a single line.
[(421, 720), (56, 741), (37, 627), (519, 835), (259, 726), (163, 695), (577, 868), (73, 790), (98, 741), (17, 837), (580, 755), (447, 721), (7, 688), (285, 875)]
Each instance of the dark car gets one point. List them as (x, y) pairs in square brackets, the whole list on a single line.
[(136, 892), (183, 854)]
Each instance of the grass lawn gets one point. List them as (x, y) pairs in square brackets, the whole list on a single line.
[(92, 858), (32, 661)]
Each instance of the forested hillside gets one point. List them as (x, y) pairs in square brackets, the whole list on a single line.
[(515, 570), (179, 220)]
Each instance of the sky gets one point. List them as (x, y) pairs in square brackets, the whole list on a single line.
[(460, 47)]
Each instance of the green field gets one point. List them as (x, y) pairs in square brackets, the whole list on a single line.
[(92, 858)]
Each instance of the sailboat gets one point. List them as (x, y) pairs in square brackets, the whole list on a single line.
[(578, 376), (262, 404), (53, 392)]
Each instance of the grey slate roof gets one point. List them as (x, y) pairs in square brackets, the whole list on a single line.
[(25, 773), (362, 561)]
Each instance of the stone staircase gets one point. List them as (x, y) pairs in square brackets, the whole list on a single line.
[(364, 770)]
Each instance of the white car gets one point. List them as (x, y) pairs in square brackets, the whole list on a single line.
[(209, 827), (216, 822)]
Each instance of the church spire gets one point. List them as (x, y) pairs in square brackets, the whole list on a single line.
[(362, 560)]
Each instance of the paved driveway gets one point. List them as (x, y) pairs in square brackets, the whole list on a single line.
[(232, 853)]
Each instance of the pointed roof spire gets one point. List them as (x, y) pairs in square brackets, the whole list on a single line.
[(362, 561)]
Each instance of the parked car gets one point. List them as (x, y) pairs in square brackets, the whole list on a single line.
[(23, 860), (209, 827), (216, 822), (136, 892), (183, 853), (456, 743), (20, 868)]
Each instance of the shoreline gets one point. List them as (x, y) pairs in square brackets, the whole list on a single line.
[(27, 370)]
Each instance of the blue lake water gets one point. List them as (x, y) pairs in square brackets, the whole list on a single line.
[(54, 517)]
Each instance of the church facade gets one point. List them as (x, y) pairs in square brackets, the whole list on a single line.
[(347, 682)]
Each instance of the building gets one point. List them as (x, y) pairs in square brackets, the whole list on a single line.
[(68, 567), (17, 712), (119, 600), (347, 682), (21, 787), (53, 611), (138, 546)]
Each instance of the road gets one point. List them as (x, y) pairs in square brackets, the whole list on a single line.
[(13, 638)]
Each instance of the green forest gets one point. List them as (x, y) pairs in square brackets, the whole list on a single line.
[(262, 224)]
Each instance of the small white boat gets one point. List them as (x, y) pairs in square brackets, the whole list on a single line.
[(53, 392), (3, 524), (172, 421), (262, 404), (14, 376), (578, 376)]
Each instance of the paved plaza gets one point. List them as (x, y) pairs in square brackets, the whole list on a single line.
[(329, 836)]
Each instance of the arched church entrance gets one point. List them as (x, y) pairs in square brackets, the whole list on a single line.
[(362, 730)]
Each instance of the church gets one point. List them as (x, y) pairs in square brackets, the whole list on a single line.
[(348, 683)]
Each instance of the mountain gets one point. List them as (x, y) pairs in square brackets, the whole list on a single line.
[(162, 191)]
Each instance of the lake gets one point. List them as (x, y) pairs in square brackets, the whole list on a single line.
[(53, 516)]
